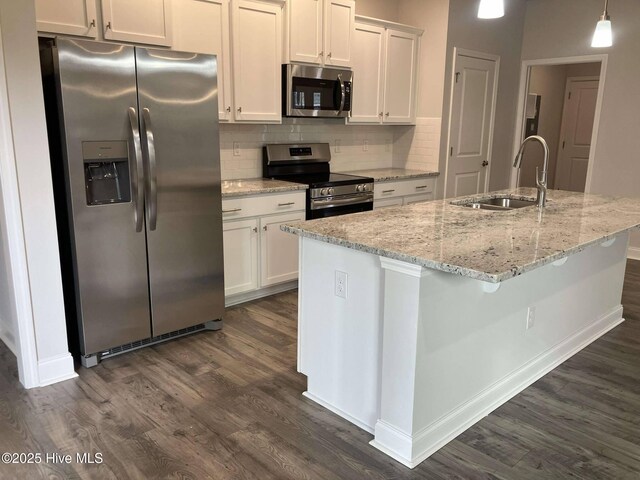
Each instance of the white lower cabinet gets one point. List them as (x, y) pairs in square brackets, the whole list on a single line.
[(403, 192), (278, 249), (240, 239), (259, 258)]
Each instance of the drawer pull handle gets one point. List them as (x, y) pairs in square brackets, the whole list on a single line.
[(286, 204), (420, 186), (231, 211), (388, 191)]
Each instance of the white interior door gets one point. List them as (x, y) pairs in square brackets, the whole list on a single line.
[(576, 133), (472, 112)]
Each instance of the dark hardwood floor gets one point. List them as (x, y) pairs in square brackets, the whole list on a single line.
[(228, 405)]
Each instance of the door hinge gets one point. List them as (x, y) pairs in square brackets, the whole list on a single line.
[(457, 76), (451, 151)]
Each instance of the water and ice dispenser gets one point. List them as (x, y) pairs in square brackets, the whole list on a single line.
[(106, 172)]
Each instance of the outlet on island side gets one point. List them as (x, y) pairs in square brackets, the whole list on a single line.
[(341, 284), (531, 317)]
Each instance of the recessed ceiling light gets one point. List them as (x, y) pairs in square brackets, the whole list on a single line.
[(491, 9)]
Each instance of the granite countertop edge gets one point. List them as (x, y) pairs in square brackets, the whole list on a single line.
[(455, 269), (385, 174)]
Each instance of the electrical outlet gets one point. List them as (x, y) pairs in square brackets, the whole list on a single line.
[(365, 145), (341, 284), (236, 149), (338, 144), (531, 317)]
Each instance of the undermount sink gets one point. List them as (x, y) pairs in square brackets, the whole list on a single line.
[(500, 204)]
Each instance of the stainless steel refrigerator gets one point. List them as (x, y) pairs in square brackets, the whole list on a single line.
[(136, 167)]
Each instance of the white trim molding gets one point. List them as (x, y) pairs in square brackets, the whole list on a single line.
[(524, 88), (633, 253)]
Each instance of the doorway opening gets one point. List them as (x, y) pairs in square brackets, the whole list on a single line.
[(560, 100)]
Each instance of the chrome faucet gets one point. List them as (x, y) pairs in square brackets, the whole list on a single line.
[(541, 180)]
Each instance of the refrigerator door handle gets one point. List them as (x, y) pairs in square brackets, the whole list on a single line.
[(152, 180), (138, 190)]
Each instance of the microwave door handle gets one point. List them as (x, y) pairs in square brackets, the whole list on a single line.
[(343, 94), (152, 182), (137, 184)]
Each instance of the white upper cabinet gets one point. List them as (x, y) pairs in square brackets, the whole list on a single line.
[(400, 78), (321, 31), (68, 17), (140, 21), (385, 72), (202, 26), (305, 30), (257, 59), (368, 69), (339, 24)]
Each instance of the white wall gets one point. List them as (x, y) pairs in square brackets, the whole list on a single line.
[(385, 9), (7, 301), (568, 27), (30, 147), (550, 82), (501, 37)]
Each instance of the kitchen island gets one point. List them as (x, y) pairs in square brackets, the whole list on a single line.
[(415, 322)]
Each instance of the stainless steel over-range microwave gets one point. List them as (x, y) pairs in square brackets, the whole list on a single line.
[(316, 91)]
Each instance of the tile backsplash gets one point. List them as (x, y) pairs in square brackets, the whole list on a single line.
[(353, 147)]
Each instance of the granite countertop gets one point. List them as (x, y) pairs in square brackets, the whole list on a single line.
[(385, 174), (481, 244), (256, 186)]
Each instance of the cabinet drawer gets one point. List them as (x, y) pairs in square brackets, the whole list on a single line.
[(253, 206), (403, 187)]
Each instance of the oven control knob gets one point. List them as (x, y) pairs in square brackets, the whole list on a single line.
[(360, 188), (330, 191), (324, 191)]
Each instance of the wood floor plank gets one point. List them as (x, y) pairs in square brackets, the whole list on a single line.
[(228, 405)]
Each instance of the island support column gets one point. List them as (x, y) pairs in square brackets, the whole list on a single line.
[(454, 348)]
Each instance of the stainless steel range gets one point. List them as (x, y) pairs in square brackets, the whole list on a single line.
[(329, 194)]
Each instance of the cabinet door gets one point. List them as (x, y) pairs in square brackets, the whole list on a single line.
[(257, 60), (423, 197), (368, 74), (305, 31), (339, 26), (141, 21), (240, 240), (400, 77), (279, 250), (202, 26), (70, 17), (387, 202)]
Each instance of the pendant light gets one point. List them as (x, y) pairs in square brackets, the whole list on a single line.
[(491, 9), (602, 37)]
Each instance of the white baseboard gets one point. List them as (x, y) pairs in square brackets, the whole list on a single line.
[(432, 438), (339, 412), (633, 253), (56, 369), (260, 293)]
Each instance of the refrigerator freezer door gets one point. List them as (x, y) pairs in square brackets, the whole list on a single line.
[(178, 104), (97, 84)]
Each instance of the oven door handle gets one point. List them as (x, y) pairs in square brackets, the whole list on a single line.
[(343, 94), (318, 203)]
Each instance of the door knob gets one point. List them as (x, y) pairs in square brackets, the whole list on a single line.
[(485, 163)]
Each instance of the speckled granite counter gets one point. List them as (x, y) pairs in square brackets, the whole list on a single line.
[(387, 174), (481, 244), (256, 186)]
